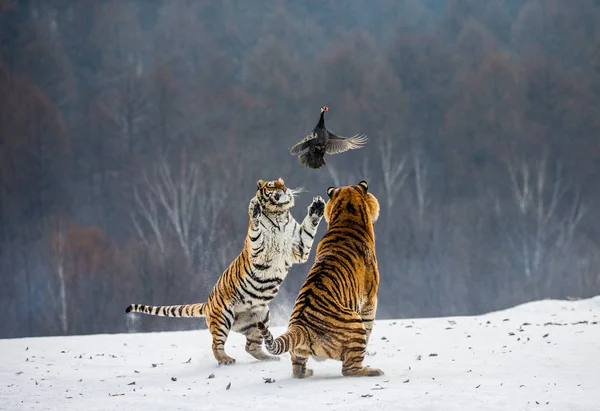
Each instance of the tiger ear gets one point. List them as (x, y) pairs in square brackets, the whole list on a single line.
[(280, 180), (260, 183), (364, 185), (330, 191)]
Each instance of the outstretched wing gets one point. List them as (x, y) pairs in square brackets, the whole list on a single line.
[(303, 144), (337, 144)]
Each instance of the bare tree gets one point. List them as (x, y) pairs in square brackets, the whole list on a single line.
[(127, 103), (394, 172), (173, 199), (421, 184), (59, 251), (177, 203), (348, 177), (547, 217), (147, 210)]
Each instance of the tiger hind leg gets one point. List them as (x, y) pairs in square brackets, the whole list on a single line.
[(368, 316), (299, 358), (353, 353), (219, 327)]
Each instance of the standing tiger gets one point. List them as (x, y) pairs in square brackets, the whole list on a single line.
[(241, 296), (335, 309)]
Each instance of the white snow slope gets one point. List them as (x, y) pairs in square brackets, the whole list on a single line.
[(543, 355)]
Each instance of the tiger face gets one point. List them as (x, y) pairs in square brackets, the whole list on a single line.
[(343, 200), (274, 196)]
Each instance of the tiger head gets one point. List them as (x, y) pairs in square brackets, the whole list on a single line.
[(351, 200), (274, 196)]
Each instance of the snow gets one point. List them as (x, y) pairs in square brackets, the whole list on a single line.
[(540, 355)]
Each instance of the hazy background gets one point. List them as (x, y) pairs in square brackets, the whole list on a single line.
[(132, 133)]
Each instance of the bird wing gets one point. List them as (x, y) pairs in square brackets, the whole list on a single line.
[(337, 144), (303, 144)]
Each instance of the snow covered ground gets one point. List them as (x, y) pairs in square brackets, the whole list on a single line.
[(540, 355)]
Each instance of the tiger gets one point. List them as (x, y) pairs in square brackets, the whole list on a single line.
[(335, 309), (241, 296)]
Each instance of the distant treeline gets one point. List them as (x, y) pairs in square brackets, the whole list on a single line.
[(132, 133)]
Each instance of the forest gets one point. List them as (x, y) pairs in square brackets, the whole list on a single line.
[(132, 134)]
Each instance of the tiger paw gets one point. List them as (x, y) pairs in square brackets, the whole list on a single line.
[(372, 372), (224, 359), (317, 207), (305, 373), (254, 209), (362, 372)]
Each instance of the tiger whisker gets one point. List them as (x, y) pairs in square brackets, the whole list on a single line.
[(296, 191)]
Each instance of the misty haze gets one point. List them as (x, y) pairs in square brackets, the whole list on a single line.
[(132, 134)]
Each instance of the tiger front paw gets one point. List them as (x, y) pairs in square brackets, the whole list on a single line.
[(316, 208), (254, 209)]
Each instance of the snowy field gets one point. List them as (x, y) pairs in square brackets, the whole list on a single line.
[(543, 355)]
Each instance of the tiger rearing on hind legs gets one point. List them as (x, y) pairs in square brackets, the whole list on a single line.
[(274, 242)]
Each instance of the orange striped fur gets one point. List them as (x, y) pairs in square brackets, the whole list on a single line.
[(240, 298), (335, 309)]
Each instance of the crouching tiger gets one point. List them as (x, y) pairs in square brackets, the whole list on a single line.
[(335, 309), (241, 296)]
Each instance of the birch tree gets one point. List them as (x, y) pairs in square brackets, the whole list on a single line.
[(59, 254), (547, 216), (421, 183), (177, 203), (341, 178), (394, 172)]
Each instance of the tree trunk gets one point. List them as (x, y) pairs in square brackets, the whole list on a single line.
[(28, 286), (64, 320)]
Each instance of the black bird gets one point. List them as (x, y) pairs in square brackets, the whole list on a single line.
[(322, 141)]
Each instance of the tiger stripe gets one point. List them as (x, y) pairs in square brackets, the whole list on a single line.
[(189, 310), (335, 309), (240, 297)]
